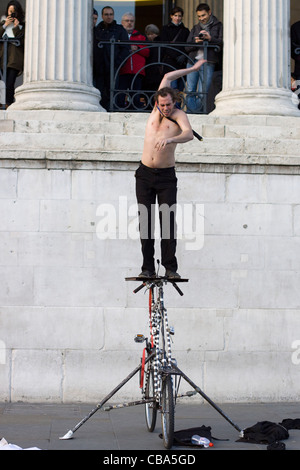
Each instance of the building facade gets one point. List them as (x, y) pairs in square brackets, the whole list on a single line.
[(67, 315)]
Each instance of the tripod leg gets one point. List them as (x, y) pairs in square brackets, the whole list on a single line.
[(70, 433), (216, 407)]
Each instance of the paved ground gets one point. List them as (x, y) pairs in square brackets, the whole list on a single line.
[(34, 425)]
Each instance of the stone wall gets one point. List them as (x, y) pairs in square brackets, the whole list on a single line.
[(67, 315)]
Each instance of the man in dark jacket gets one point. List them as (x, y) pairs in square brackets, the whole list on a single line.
[(208, 29), (106, 30), (295, 47)]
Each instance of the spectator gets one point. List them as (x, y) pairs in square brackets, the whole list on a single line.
[(295, 47), (210, 29), (153, 77), (133, 72), (107, 29), (152, 32), (95, 45), (13, 26), (173, 32), (95, 17)]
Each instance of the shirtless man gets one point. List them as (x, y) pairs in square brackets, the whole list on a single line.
[(156, 177)]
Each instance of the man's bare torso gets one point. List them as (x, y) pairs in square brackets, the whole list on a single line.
[(157, 129)]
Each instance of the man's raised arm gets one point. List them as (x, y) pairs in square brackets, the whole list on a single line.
[(175, 74)]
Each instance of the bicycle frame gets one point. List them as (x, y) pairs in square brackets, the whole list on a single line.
[(163, 354)]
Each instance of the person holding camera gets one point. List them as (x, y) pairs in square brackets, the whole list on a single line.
[(13, 26), (209, 29)]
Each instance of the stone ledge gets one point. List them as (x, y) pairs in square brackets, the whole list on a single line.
[(102, 144), (212, 164)]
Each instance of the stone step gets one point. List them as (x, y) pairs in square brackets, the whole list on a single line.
[(134, 143), (73, 123), (137, 128), (255, 132), (262, 127)]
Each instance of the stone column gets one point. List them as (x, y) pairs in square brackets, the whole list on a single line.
[(256, 63), (58, 57)]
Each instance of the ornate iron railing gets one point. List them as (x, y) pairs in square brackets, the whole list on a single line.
[(144, 97)]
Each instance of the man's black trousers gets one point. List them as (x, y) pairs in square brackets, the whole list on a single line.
[(157, 184)]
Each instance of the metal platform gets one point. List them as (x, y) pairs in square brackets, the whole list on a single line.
[(155, 279)]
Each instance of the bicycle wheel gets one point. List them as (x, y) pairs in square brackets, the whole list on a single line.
[(167, 415), (150, 408)]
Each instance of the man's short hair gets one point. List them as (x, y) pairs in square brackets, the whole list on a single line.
[(128, 13), (165, 91), (104, 8), (203, 6)]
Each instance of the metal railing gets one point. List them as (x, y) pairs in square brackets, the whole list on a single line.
[(144, 97), (3, 71)]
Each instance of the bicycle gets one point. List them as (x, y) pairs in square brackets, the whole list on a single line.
[(159, 374), (159, 381)]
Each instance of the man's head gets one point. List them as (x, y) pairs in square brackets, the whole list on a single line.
[(95, 17), (203, 12), (166, 99), (108, 15), (128, 21)]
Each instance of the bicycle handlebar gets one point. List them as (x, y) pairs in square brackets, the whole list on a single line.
[(177, 288), (139, 288)]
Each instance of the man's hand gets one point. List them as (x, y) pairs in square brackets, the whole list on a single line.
[(175, 74), (205, 35), (161, 144), (197, 65)]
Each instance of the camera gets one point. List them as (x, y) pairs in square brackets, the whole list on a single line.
[(13, 15), (201, 36)]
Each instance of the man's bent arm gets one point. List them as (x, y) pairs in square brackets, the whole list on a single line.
[(175, 74), (185, 136)]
